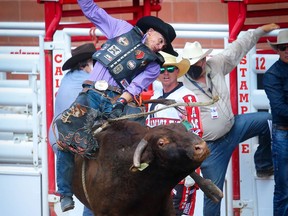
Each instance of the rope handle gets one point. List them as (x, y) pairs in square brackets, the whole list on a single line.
[(192, 104)]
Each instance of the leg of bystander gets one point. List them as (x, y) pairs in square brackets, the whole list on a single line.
[(65, 168), (214, 167), (280, 160)]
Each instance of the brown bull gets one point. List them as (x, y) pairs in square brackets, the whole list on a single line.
[(110, 186)]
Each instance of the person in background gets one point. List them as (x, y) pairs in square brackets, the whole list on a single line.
[(125, 66), (276, 87), (80, 66), (222, 130), (184, 193)]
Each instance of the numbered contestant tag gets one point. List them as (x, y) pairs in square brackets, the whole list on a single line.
[(214, 113)]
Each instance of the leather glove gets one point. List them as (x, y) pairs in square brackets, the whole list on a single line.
[(118, 108)]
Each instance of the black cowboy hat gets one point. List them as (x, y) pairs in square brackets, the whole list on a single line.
[(162, 27), (81, 53)]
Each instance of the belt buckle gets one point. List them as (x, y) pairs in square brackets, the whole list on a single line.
[(101, 85), (280, 127)]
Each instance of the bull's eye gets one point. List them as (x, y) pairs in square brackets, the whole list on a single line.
[(163, 141)]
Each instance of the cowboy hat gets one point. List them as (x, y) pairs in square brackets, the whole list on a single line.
[(193, 52), (183, 65), (282, 38), (81, 53), (165, 29)]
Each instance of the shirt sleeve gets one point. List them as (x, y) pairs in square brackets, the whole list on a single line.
[(232, 55), (273, 87), (108, 25), (144, 79)]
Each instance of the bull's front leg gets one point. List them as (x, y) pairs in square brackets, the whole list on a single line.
[(208, 187)]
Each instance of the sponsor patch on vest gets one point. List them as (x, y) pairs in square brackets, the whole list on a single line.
[(139, 54), (124, 83), (123, 41), (143, 63), (108, 57), (131, 65), (114, 50), (97, 54), (117, 69), (105, 46)]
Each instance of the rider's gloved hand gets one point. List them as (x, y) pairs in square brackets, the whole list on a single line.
[(118, 108)]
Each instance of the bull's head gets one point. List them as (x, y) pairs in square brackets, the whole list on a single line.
[(170, 143)]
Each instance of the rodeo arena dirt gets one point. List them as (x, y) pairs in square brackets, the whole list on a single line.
[(31, 75)]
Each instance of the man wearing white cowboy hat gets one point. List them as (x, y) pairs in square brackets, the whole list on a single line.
[(276, 87), (125, 66), (184, 193), (222, 130)]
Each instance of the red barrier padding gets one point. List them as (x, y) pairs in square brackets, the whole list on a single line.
[(255, 1), (263, 1), (67, 1)]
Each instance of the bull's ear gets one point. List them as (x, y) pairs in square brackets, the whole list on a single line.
[(140, 168)]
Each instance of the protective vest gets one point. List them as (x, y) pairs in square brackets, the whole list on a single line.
[(126, 56)]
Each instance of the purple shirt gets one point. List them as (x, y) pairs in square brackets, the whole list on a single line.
[(112, 27)]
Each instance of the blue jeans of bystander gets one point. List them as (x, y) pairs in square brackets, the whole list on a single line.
[(65, 168), (87, 212), (215, 166), (280, 160)]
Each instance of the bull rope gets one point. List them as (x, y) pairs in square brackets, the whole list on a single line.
[(84, 181), (176, 104)]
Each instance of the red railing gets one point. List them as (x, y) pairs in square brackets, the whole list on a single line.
[(238, 13)]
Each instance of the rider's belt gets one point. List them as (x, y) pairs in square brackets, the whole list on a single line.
[(280, 127), (101, 85)]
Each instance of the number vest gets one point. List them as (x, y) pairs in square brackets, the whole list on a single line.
[(126, 56)]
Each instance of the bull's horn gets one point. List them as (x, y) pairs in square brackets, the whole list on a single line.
[(138, 152)]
